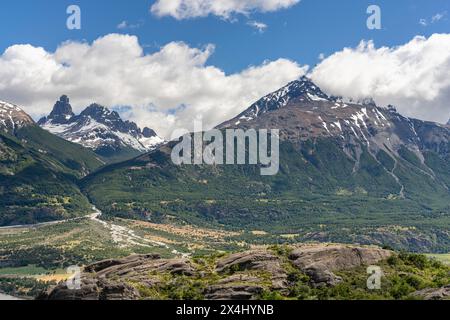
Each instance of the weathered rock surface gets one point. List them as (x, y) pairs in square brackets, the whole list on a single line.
[(92, 289), (256, 260), (434, 294), (104, 280), (319, 261)]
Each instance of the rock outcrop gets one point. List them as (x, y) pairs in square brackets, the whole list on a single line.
[(106, 280), (240, 276), (319, 262), (434, 294), (259, 260)]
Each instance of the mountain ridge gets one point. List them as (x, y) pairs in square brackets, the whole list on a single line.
[(100, 130), (12, 117), (304, 112)]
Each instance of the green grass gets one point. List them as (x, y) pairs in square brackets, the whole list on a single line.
[(23, 271)]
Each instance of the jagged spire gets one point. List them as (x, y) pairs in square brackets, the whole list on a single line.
[(61, 113)]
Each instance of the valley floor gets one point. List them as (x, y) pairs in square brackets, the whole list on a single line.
[(33, 258)]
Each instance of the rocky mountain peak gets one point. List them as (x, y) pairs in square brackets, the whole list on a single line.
[(100, 129), (148, 133), (306, 89), (301, 111), (97, 111), (61, 113), (13, 117), (301, 90), (368, 102)]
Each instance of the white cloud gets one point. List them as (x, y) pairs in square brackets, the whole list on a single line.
[(434, 19), (261, 27), (438, 16), (414, 76), (165, 90), (126, 25), (122, 25), (185, 9)]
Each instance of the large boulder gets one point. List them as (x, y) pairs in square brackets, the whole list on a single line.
[(320, 261), (434, 294), (255, 260)]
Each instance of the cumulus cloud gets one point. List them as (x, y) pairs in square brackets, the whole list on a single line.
[(185, 9), (164, 90), (414, 76)]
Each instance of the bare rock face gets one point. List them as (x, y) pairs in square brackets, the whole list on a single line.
[(107, 280), (337, 257), (249, 260), (256, 260), (238, 286), (434, 294), (92, 289), (106, 264), (319, 262)]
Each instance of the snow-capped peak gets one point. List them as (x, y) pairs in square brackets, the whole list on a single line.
[(302, 90), (98, 128), (12, 117)]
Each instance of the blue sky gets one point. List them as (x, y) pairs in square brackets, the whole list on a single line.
[(299, 33)]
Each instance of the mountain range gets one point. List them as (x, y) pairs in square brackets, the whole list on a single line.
[(100, 130), (350, 172)]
